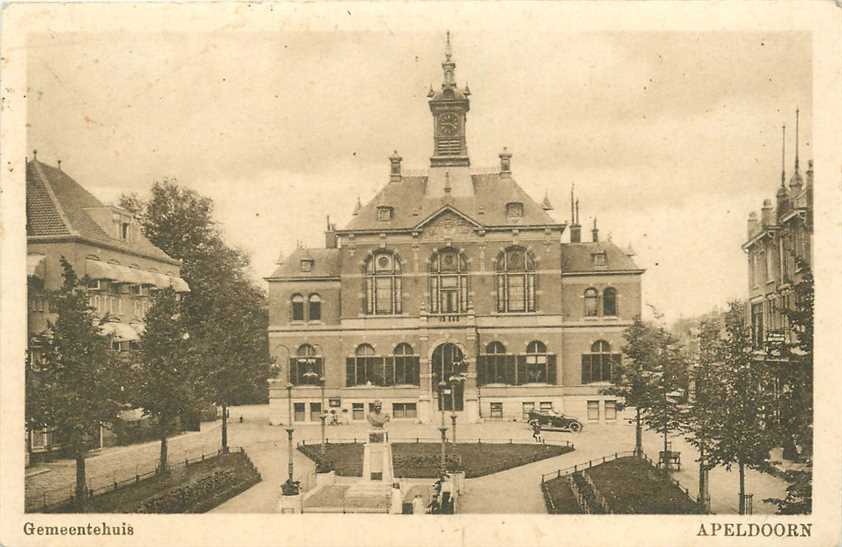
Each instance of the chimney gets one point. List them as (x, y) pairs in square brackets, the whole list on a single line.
[(576, 228), (505, 163), (766, 213), (395, 170), (59, 165), (330, 235), (751, 225), (595, 231)]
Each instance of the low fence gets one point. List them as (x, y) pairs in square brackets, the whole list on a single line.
[(436, 440), (38, 501), (583, 467)]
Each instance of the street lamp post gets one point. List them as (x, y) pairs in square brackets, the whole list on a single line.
[(323, 416), (291, 486), (442, 428), (453, 382)]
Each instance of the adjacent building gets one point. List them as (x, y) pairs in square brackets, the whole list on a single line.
[(101, 242), (451, 289), (779, 249)]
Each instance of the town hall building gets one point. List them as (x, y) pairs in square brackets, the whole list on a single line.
[(452, 290)]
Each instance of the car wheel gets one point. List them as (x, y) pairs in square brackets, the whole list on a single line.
[(575, 427)]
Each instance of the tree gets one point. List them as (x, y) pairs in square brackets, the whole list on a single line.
[(226, 314), (703, 414), (166, 374), (80, 384), (663, 411), (743, 397), (631, 376)]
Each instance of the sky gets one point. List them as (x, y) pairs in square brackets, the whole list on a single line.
[(671, 139)]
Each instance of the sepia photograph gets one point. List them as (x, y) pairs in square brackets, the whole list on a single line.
[(311, 268)]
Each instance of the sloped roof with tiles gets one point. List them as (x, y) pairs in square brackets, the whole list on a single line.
[(56, 207), (579, 258), (412, 204), (324, 263)]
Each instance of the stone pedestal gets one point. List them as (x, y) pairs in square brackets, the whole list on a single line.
[(377, 457), (291, 504)]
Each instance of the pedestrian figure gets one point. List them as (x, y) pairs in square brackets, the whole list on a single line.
[(418, 505), (536, 432)]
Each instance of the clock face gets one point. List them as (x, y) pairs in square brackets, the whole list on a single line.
[(449, 124)]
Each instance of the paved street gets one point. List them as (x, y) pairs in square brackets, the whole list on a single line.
[(512, 491)]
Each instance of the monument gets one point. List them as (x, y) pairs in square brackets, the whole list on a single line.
[(377, 451)]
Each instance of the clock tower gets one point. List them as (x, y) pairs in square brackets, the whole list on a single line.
[(449, 106)]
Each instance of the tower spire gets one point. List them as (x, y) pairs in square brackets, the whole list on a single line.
[(448, 66), (783, 154), (796, 139)]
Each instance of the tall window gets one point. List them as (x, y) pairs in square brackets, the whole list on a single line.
[(609, 302), (383, 284), (314, 310), (515, 281), (448, 282), (297, 307), (536, 363), (306, 367), (598, 365), (591, 297), (368, 368), (496, 367), (406, 365)]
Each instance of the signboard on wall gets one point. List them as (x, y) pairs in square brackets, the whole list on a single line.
[(335, 402)]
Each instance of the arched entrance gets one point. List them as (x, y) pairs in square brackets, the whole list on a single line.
[(448, 361)]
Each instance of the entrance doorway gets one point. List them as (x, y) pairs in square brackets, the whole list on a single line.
[(448, 361)]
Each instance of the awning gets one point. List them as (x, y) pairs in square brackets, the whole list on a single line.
[(128, 275), (34, 263), (179, 284), (96, 269), (148, 278), (119, 331)]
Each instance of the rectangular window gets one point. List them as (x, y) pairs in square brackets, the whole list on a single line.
[(599, 367), (298, 311), (610, 410), (315, 411), (593, 411), (496, 410), (305, 370), (757, 323), (546, 406), (299, 413), (357, 411), (517, 293), (404, 410), (536, 369), (528, 407), (315, 311)]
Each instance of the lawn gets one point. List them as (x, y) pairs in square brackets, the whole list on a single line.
[(634, 486), (219, 478), (563, 500), (422, 460)]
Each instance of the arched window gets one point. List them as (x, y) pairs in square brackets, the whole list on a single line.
[(297, 307), (448, 282), (591, 297), (515, 281), (306, 367), (599, 365), (406, 365), (536, 363), (383, 284), (496, 366), (609, 302), (314, 311), (364, 368)]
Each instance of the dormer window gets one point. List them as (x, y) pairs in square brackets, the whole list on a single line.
[(384, 213), (514, 209), (599, 259), (307, 264)]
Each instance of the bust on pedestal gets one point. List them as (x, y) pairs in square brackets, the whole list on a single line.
[(377, 452)]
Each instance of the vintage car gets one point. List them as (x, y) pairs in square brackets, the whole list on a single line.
[(550, 419)]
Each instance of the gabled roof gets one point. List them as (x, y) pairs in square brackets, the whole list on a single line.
[(325, 264), (578, 258), (412, 204), (56, 206)]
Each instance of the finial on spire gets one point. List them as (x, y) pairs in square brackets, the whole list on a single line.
[(546, 205), (448, 50), (447, 187), (572, 212), (357, 207)]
